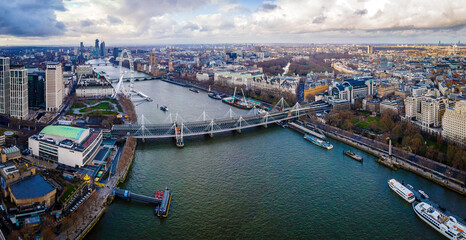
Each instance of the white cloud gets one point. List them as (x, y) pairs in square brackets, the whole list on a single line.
[(145, 21)]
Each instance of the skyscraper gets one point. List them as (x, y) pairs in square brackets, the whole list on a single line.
[(102, 49), (19, 92), (54, 86), (36, 86), (370, 50), (4, 85), (81, 52), (97, 46), (116, 53)]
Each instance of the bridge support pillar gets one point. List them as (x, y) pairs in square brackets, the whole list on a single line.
[(211, 135), (238, 131), (265, 125)]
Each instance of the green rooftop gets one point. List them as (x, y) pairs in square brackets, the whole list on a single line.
[(63, 131)]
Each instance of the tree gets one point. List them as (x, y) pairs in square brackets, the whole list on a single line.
[(48, 234), (14, 235)]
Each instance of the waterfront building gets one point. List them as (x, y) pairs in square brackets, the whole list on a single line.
[(88, 88), (4, 85), (72, 146), (54, 86), (153, 60), (454, 122), (32, 191), (202, 76), (19, 93), (428, 110)]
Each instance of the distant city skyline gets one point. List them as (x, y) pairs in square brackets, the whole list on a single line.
[(132, 23)]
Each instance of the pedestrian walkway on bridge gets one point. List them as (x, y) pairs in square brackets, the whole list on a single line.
[(177, 128)]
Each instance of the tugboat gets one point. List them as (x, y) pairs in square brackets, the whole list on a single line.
[(164, 108), (353, 155), (194, 90)]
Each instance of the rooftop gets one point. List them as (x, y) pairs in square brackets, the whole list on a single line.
[(63, 131), (31, 187)]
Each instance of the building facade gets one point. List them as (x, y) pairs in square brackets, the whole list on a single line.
[(4, 84), (36, 90), (54, 87), (19, 93), (67, 145), (454, 122)]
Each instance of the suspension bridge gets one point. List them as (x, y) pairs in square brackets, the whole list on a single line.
[(178, 129)]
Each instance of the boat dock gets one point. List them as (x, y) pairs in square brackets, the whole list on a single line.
[(162, 203), (306, 130)]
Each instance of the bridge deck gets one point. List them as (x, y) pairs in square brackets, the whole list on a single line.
[(211, 126)]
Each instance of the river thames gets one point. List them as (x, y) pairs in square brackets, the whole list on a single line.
[(260, 184)]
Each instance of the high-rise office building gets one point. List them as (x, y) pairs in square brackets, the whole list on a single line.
[(370, 49), (36, 87), (97, 46), (53, 86), (19, 92), (116, 53), (4, 85), (102, 49)]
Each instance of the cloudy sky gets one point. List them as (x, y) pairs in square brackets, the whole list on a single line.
[(146, 22)]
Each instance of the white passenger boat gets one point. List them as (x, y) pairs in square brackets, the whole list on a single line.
[(446, 225), (401, 190)]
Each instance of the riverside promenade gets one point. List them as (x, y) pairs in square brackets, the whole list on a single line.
[(439, 173), (79, 223)]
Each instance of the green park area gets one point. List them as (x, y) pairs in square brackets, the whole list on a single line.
[(96, 107)]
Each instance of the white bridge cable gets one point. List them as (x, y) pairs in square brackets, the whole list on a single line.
[(204, 117), (240, 122), (230, 114), (212, 127), (143, 130), (169, 118)]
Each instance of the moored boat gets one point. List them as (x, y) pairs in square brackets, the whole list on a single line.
[(214, 96), (448, 226), (401, 190), (353, 155), (319, 142), (194, 90), (423, 194)]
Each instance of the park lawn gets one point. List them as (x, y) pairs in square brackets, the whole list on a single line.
[(370, 119), (78, 105), (102, 105), (354, 121), (363, 124)]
